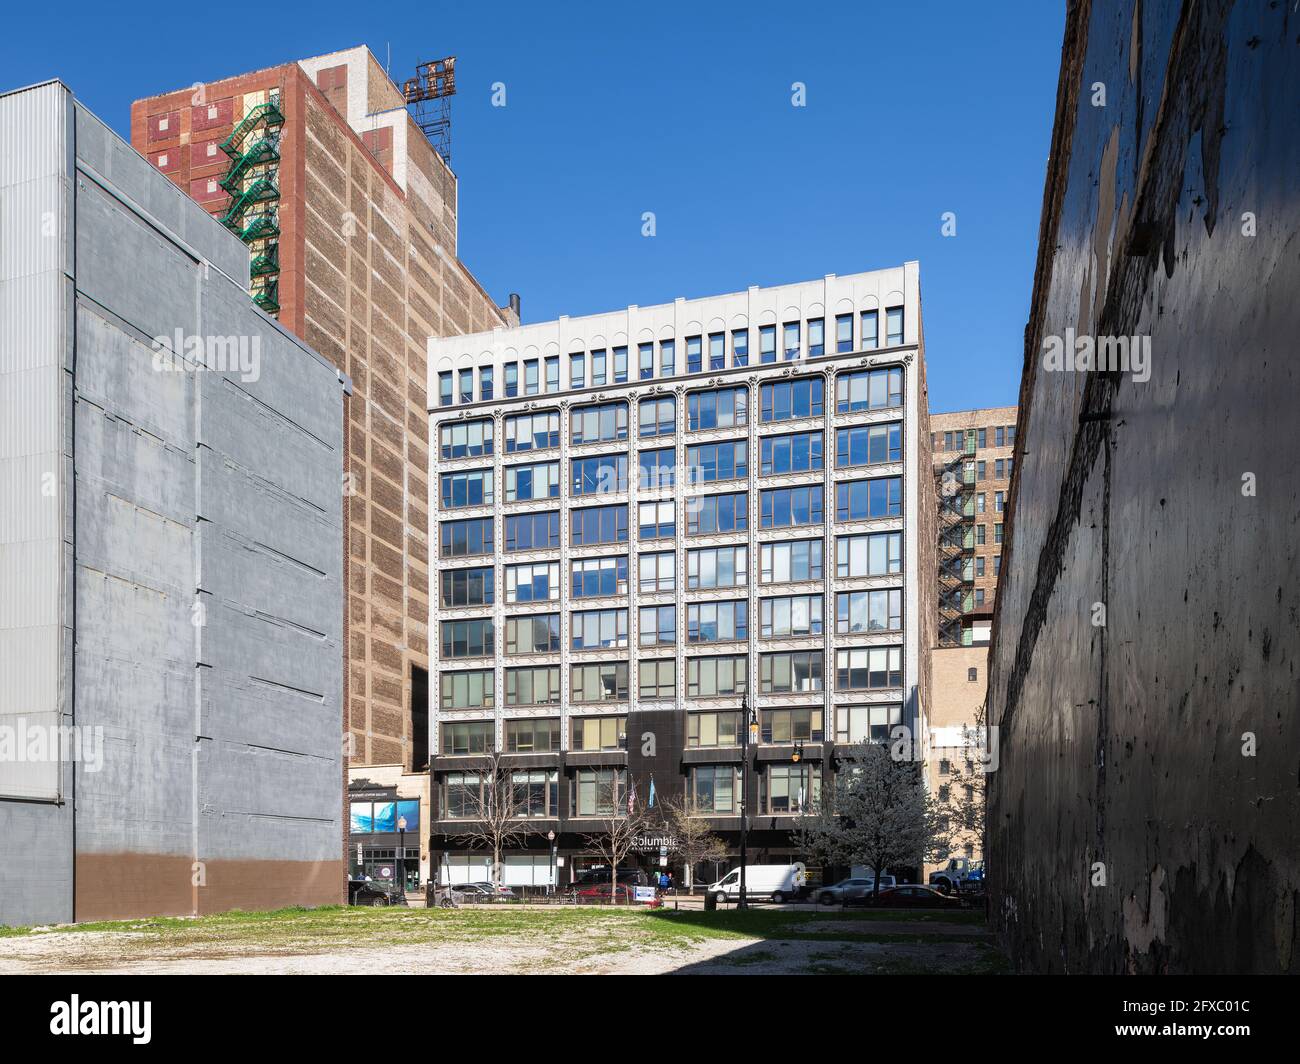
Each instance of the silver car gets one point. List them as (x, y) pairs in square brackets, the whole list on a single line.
[(848, 891)]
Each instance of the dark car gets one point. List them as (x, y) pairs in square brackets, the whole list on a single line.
[(632, 877), (367, 892), (913, 896)]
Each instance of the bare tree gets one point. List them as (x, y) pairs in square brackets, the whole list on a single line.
[(495, 812), (691, 837), (622, 825), (879, 814)]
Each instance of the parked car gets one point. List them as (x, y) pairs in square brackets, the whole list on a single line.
[(632, 877), (778, 883), (852, 890), (368, 892), (913, 896), (486, 890), (602, 892)]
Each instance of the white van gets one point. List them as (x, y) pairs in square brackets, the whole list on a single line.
[(777, 882)]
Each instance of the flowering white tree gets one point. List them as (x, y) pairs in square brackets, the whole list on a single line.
[(879, 814)]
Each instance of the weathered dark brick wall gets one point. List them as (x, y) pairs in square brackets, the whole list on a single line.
[(1128, 828)]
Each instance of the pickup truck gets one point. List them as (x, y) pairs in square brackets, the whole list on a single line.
[(960, 876)]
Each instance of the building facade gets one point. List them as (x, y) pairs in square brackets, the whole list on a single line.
[(171, 565), (645, 519), (318, 165), (972, 461)]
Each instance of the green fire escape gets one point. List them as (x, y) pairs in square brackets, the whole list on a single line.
[(253, 148), (955, 481)]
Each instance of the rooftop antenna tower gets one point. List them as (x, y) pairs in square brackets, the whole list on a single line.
[(428, 97)]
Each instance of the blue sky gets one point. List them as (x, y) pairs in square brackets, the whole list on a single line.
[(913, 109)]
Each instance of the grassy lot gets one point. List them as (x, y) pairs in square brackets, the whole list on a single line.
[(516, 938)]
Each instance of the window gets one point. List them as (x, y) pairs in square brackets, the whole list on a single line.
[(715, 677), (706, 514), (534, 735), (658, 678), (713, 729), (783, 563), (464, 737), (599, 577), (869, 445), (657, 520), (598, 524), (538, 582), (467, 587), (598, 424), (645, 354), (790, 616), (866, 724), (485, 383), (800, 452), (694, 354), (857, 500), (816, 337), (532, 432), (972, 675), (598, 475), (801, 725), (620, 365), (598, 369), (717, 350), (785, 400), (869, 611), (604, 682), (667, 358), (462, 795), (979, 503), (999, 499), (872, 389), (444, 389), (877, 554), (997, 564), (843, 333), (533, 686), (526, 483), (979, 565), (598, 629), (709, 462), (724, 409), (870, 329), (658, 417), (791, 340), (867, 668), (713, 622), (538, 634), (787, 507), (714, 789), (599, 733), (789, 673), (466, 439), (463, 538), (601, 791), (658, 469), (553, 373), (533, 531), (468, 639), (467, 690), (512, 379), (536, 792), (980, 535), (466, 390), (740, 347), (997, 532), (470, 488), (577, 370), (791, 790), (657, 626), (894, 325), (717, 567), (979, 596), (657, 572), (767, 343), (983, 437)]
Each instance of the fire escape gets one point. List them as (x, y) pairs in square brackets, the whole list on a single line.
[(253, 148), (955, 483)]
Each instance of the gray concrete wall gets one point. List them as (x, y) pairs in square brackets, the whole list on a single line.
[(206, 519), (1132, 825)]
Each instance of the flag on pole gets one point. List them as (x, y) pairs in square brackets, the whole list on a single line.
[(651, 803), (631, 797)]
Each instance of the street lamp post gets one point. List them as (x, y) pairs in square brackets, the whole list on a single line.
[(550, 835), (748, 733), (401, 860)]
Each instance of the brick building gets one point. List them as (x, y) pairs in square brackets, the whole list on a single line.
[(350, 216)]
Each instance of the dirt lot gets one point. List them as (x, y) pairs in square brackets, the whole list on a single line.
[(513, 939)]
